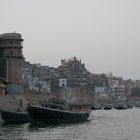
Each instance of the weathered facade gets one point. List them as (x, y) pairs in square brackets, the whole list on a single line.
[(11, 59)]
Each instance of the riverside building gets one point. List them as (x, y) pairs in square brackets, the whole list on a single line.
[(11, 59)]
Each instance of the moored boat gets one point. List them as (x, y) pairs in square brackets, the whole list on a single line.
[(120, 106), (96, 107), (55, 114), (107, 107), (14, 117)]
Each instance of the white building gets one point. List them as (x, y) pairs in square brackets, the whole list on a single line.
[(119, 92), (101, 91), (62, 82), (34, 83)]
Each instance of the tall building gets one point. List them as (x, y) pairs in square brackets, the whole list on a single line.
[(73, 69), (11, 59)]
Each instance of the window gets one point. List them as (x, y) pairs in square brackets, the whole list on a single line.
[(11, 41)]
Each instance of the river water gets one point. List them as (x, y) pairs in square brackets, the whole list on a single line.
[(105, 125)]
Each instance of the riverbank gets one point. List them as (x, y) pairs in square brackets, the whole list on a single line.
[(14, 101)]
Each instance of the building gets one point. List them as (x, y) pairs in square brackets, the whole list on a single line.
[(119, 92), (36, 78), (73, 69), (100, 80), (101, 91), (62, 82), (11, 59)]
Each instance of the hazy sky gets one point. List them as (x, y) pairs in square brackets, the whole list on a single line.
[(105, 34)]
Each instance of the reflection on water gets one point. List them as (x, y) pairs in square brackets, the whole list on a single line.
[(106, 125)]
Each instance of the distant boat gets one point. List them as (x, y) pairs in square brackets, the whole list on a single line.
[(129, 105), (120, 106), (52, 113), (14, 117), (108, 107), (96, 107)]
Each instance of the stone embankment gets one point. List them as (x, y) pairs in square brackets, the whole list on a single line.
[(104, 100), (71, 95), (12, 102), (77, 96), (19, 101)]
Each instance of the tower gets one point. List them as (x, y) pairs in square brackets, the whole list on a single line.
[(11, 59)]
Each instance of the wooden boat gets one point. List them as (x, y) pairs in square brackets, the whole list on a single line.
[(108, 107), (96, 107), (55, 114), (120, 106), (14, 117)]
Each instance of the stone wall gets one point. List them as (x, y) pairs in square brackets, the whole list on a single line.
[(77, 95)]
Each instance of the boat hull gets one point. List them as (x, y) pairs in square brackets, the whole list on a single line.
[(54, 116), (108, 107), (14, 117)]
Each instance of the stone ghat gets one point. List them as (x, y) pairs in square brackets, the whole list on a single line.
[(12, 102), (8, 102)]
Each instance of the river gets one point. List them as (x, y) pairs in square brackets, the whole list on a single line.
[(105, 125)]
